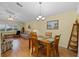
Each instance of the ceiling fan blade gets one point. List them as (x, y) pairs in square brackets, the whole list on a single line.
[(19, 4), (10, 12)]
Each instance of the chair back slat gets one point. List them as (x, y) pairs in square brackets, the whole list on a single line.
[(33, 34), (56, 41)]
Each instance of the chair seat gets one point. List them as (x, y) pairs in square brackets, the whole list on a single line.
[(38, 45)]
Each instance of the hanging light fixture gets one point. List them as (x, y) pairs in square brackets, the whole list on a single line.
[(10, 18), (40, 17)]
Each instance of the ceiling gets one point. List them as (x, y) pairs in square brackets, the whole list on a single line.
[(30, 10)]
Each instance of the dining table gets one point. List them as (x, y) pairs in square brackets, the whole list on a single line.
[(45, 41)]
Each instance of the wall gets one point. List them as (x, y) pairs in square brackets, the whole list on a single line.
[(66, 21)]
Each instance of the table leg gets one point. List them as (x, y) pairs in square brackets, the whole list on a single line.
[(29, 43), (48, 49)]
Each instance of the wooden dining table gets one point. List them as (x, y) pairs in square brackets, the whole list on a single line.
[(45, 41)]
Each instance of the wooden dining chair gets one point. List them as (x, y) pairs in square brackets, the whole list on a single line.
[(54, 45), (35, 44), (48, 34), (31, 35)]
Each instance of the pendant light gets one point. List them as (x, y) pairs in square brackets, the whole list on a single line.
[(10, 18), (40, 17)]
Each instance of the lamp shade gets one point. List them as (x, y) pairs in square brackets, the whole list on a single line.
[(39, 16), (43, 18)]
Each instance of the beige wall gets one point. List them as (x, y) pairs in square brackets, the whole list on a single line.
[(66, 21)]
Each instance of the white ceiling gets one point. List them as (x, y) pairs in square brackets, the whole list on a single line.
[(31, 10)]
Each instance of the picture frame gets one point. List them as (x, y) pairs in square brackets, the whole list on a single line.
[(53, 24)]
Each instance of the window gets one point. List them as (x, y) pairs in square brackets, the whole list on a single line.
[(2, 27), (15, 27), (8, 27)]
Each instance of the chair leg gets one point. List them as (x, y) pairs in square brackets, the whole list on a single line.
[(53, 53), (32, 50), (37, 53), (57, 53)]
